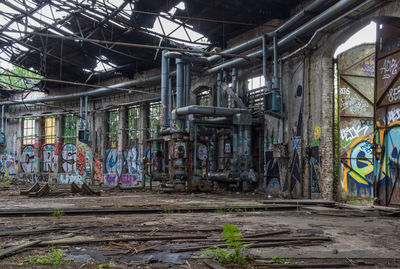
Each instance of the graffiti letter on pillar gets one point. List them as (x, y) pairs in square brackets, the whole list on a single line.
[(48, 159), (69, 156), (28, 159)]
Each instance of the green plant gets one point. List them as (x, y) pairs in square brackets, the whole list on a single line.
[(234, 247), (5, 183), (109, 265), (55, 257), (279, 260), (355, 202), (57, 213)]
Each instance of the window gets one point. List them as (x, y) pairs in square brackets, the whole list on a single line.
[(113, 119), (257, 90), (69, 133), (154, 118), (203, 98), (133, 122), (49, 130), (29, 131)]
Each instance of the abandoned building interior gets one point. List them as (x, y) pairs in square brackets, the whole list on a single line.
[(252, 100)]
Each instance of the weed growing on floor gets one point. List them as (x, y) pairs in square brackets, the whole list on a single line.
[(55, 257), (234, 250), (57, 213), (109, 265), (356, 202), (5, 183), (279, 260)]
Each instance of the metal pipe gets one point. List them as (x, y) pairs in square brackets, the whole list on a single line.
[(247, 146), (234, 85), (81, 113), (186, 58), (265, 54), (188, 83), (86, 113), (219, 83), (208, 111), (2, 118), (293, 21), (100, 91), (169, 95), (281, 119), (164, 90), (324, 17), (276, 79), (235, 146), (179, 83)]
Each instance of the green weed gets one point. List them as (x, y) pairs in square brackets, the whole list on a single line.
[(233, 252), (57, 213), (55, 257), (279, 260), (356, 202), (109, 265)]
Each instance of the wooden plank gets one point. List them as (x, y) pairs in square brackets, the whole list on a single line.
[(304, 265), (29, 231), (9, 251), (213, 265), (34, 188), (266, 234)]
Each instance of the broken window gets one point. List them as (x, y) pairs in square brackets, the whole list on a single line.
[(69, 133), (154, 118), (49, 130), (256, 91), (29, 131), (133, 122), (113, 119), (203, 98)]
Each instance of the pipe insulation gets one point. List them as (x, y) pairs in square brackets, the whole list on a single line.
[(208, 111), (324, 17)]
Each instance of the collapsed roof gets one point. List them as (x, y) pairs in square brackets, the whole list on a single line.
[(28, 28)]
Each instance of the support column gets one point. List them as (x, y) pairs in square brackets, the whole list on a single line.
[(122, 137), (39, 134)]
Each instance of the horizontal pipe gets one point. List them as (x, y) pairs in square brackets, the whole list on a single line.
[(208, 111), (186, 58), (281, 29), (100, 91), (324, 17)]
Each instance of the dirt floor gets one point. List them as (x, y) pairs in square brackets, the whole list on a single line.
[(302, 233)]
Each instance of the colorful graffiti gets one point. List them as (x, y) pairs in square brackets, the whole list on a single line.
[(68, 158), (358, 168), (28, 159), (49, 165), (388, 161), (33, 178), (70, 178), (125, 180), (112, 162), (8, 164), (98, 168), (315, 169), (272, 173)]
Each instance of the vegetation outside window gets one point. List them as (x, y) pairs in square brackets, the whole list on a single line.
[(133, 122), (113, 119), (154, 118), (29, 131), (70, 129)]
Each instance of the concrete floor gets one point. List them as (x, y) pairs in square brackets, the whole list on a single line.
[(371, 238)]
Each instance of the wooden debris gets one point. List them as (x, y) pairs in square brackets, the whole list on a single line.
[(172, 230), (34, 188), (266, 234), (29, 231), (75, 188), (213, 265), (87, 190), (42, 192), (9, 251), (304, 265)]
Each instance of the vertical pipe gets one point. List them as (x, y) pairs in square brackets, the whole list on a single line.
[(169, 95), (234, 85), (281, 120), (86, 113), (265, 63), (276, 79), (80, 113), (188, 83), (219, 82), (235, 146), (164, 90), (179, 82), (240, 142), (2, 118), (195, 150), (247, 146)]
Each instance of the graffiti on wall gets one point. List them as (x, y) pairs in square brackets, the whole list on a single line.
[(125, 180), (272, 173), (68, 158), (97, 168), (34, 178), (70, 178), (28, 159), (112, 162), (8, 164), (358, 168), (49, 165), (315, 169)]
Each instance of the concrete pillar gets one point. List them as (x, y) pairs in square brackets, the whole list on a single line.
[(143, 135), (122, 136), (57, 143), (39, 135)]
